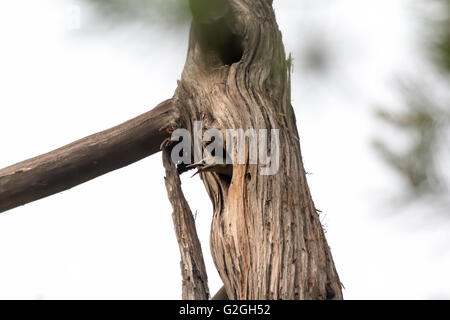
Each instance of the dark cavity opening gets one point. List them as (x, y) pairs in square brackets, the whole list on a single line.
[(219, 43), (214, 21)]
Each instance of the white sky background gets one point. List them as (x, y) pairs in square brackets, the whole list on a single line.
[(113, 237)]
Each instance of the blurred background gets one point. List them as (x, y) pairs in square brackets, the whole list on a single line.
[(371, 91)]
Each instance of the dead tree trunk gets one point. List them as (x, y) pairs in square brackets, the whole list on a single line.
[(266, 238)]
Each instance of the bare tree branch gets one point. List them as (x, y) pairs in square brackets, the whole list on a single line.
[(195, 280), (87, 158)]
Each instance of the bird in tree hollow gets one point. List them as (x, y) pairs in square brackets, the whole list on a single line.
[(212, 164)]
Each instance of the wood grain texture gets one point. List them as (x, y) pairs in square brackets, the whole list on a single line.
[(266, 237), (193, 270), (87, 158)]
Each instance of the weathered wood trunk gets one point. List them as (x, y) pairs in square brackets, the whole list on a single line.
[(266, 238)]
